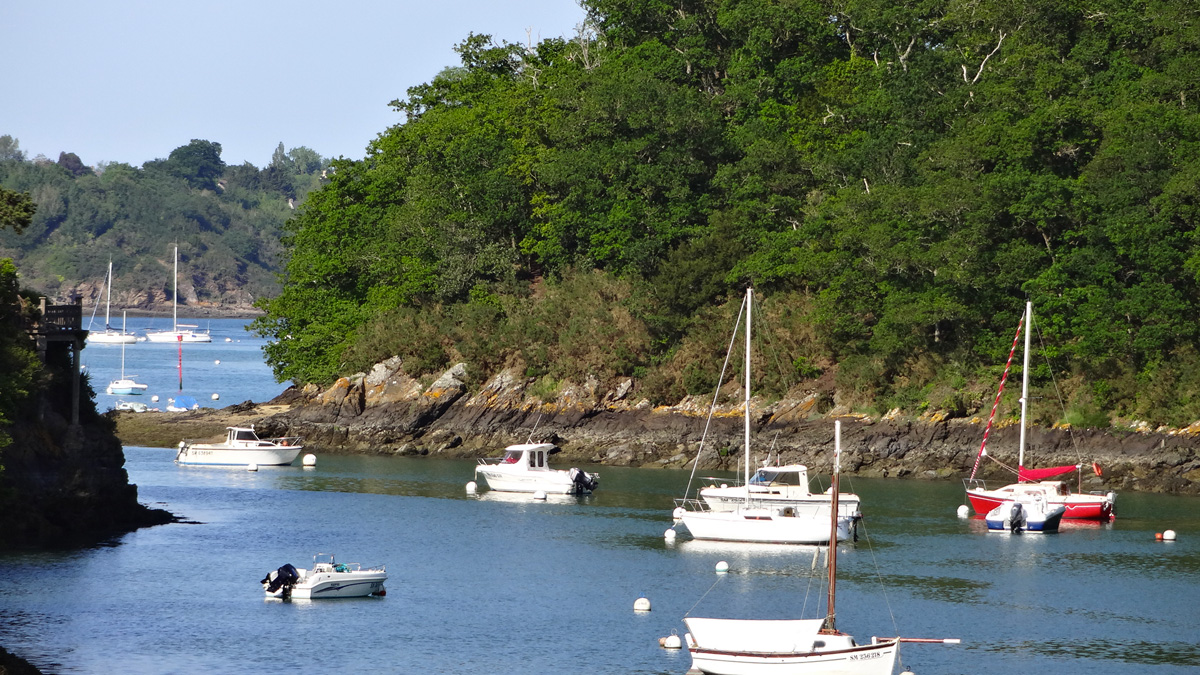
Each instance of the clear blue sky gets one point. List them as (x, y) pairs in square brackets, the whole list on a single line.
[(129, 81)]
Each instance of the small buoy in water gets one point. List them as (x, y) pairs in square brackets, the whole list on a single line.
[(1158, 536), (216, 397), (154, 398), (722, 567), (678, 513), (217, 362), (671, 641), (109, 390), (229, 339), (1168, 535), (669, 535), (252, 467), (963, 511), (309, 460), (541, 495), (471, 487), (642, 604)]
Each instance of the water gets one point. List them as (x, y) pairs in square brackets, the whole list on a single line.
[(241, 375), (495, 584)]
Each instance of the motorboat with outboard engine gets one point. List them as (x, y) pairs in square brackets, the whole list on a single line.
[(1035, 515), (326, 579), (524, 468), (241, 447)]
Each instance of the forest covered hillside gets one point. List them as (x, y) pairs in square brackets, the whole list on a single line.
[(226, 220), (895, 178)]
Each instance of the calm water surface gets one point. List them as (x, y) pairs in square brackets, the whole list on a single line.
[(494, 584), (241, 375)]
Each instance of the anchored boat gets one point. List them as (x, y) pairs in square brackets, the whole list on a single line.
[(326, 579), (241, 447)]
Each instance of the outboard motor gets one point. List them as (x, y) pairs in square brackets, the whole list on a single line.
[(584, 481), (1016, 518), (285, 577)]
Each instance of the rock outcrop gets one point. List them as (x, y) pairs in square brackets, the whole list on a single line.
[(389, 412)]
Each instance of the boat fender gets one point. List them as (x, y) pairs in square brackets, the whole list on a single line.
[(1096, 470)]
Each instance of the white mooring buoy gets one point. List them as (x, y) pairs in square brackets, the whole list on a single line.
[(216, 397), (669, 535), (472, 487), (540, 495), (309, 460), (722, 567), (1168, 535), (964, 511), (252, 467), (217, 362), (642, 604), (154, 398), (671, 641)]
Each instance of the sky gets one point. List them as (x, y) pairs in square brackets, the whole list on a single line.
[(129, 81)]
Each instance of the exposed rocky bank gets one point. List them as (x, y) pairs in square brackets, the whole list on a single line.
[(389, 412)]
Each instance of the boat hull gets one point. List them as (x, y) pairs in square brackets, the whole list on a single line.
[(104, 338), (875, 659), (1033, 520), (551, 482), (1076, 506), (766, 526), (214, 455), (730, 499), (172, 336)]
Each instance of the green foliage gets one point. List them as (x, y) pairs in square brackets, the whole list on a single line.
[(895, 178), (16, 210)]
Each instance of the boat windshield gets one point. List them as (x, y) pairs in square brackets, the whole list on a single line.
[(512, 456), (769, 476), (245, 435)]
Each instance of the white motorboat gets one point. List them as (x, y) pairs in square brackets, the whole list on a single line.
[(241, 447), (125, 386), (1034, 515), (177, 334), (326, 579), (1031, 482), (792, 646), (524, 468), (779, 486), (109, 335), (766, 513)]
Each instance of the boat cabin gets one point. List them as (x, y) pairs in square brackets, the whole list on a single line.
[(791, 480), (242, 436), (532, 456)]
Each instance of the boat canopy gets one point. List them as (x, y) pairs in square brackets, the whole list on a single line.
[(1030, 475), (755, 635), (795, 474), (242, 434)]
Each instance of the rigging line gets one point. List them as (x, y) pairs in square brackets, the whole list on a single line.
[(1058, 392), (882, 588), (720, 578), (712, 409)]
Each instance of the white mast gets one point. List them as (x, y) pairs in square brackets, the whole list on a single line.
[(1025, 382), (749, 301), (175, 294), (108, 299), (122, 345)]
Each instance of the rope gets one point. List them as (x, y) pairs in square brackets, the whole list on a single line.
[(882, 587), (712, 409), (720, 577), (999, 391)]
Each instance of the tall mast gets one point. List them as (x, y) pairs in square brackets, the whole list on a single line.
[(175, 294), (830, 614), (749, 301), (108, 298), (122, 345), (1025, 382)]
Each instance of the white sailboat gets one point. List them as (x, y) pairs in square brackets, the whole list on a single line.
[(792, 646), (109, 335), (125, 386), (177, 332), (769, 520)]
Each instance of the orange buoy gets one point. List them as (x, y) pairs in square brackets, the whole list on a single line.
[(1158, 536), (1096, 469)]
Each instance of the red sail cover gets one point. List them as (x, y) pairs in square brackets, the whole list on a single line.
[(1041, 474)]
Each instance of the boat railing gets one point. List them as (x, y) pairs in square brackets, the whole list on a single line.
[(692, 504), (974, 484), (285, 440)]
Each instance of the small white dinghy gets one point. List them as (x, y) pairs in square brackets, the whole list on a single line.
[(326, 579)]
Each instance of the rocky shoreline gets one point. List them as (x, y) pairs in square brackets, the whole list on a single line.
[(389, 412)]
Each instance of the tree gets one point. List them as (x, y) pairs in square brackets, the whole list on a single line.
[(16, 210), (71, 162), (10, 148), (198, 162)]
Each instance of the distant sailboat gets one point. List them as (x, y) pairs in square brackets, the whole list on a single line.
[(126, 385), (109, 335), (176, 334)]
